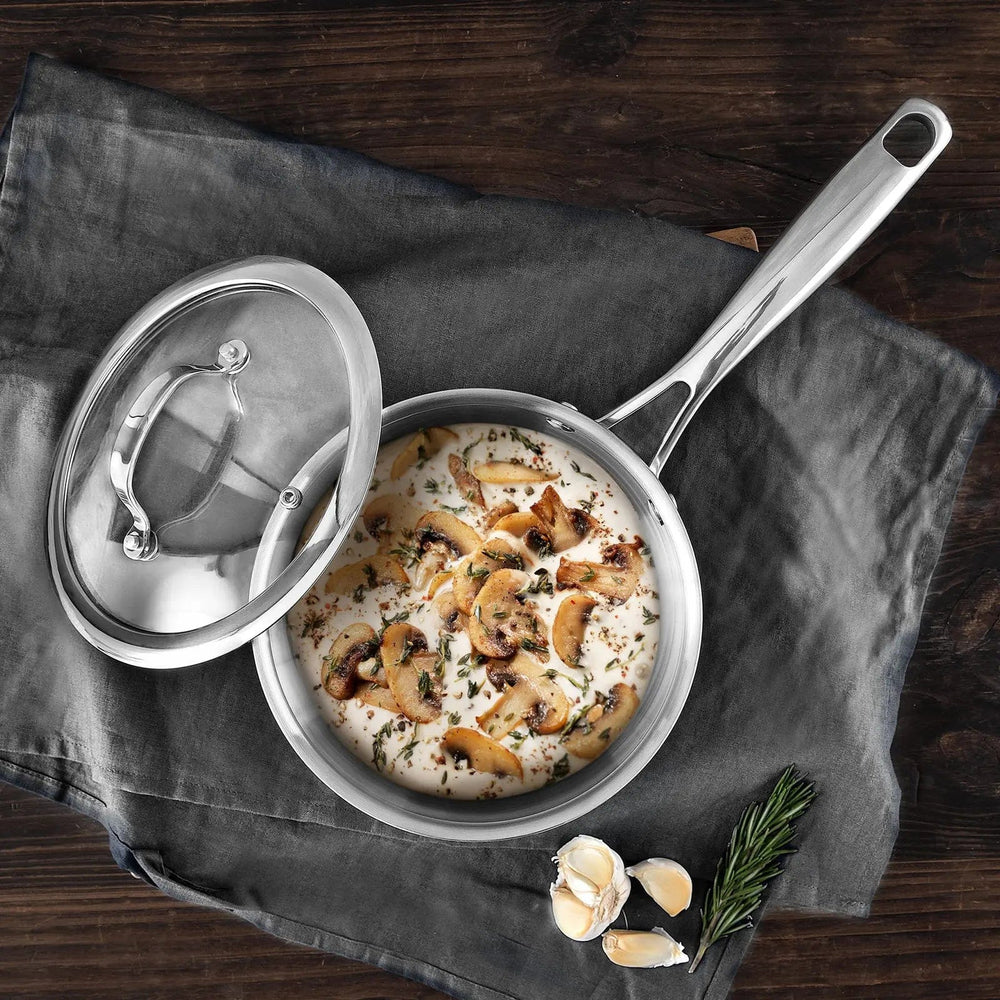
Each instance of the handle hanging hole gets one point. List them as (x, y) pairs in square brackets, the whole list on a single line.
[(909, 140)]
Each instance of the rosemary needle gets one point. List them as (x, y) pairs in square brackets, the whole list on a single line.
[(760, 839)]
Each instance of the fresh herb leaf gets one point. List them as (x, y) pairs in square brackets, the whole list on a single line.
[(407, 751), (588, 576), (559, 769), (526, 441), (454, 510), (648, 618), (392, 620), (474, 688), (423, 683), (762, 836), (432, 486), (313, 621), (579, 471), (454, 718), (533, 647), (468, 448), (378, 746), (411, 553)]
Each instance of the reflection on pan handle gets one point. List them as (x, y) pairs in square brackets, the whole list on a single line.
[(140, 541), (844, 214)]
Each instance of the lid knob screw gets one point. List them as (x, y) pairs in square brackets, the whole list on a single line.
[(290, 498)]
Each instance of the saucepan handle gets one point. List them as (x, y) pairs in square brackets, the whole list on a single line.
[(140, 541), (845, 212)]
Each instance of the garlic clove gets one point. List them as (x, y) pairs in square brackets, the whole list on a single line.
[(575, 919), (595, 874), (666, 881), (643, 949)]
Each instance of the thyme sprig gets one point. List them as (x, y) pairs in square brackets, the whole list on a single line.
[(760, 839)]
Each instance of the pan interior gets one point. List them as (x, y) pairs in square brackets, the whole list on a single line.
[(296, 711)]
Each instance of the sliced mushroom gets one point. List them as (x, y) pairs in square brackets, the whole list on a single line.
[(451, 615), (563, 526), (528, 696), (314, 518), (409, 669), (354, 645), (525, 524), (502, 621), (437, 582), (468, 486), (500, 510), (569, 626), (424, 445), (471, 573), (459, 538), (593, 736), (378, 697), (372, 670), (431, 564), (615, 578), (369, 573), (505, 473), (482, 753), (388, 514)]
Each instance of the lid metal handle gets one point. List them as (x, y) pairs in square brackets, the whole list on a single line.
[(140, 542)]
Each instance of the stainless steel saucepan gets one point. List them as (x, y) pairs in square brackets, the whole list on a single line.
[(142, 629)]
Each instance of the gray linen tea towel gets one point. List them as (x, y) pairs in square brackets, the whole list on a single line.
[(816, 485)]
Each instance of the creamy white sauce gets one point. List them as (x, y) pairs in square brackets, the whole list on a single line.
[(619, 644)]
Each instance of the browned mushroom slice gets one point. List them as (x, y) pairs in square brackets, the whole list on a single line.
[(372, 670), (354, 645), (615, 578), (592, 737), (502, 621), (563, 526), (528, 696), (458, 537), (409, 669), (314, 518), (505, 473), (378, 697), (481, 753), (437, 582), (526, 524), (451, 615), (500, 510), (424, 445), (569, 627), (468, 486), (388, 514), (471, 573), (369, 573)]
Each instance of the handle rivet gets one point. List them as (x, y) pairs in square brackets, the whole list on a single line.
[(132, 542), (290, 498), (233, 355)]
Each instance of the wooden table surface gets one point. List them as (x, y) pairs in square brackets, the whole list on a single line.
[(711, 115)]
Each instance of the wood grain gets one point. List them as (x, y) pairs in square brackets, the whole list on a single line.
[(711, 114)]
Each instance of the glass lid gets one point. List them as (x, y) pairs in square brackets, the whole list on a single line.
[(185, 440)]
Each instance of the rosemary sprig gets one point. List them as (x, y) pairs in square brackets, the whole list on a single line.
[(761, 837)]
